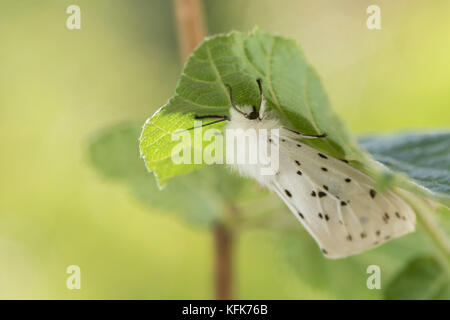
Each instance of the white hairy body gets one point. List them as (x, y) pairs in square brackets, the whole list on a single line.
[(336, 203)]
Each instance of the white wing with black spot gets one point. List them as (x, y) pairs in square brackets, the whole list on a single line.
[(337, 203)]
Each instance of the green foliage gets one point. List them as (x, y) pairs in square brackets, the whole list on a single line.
[(199, 197), (422, 278), (202, 197), (115, 154), (291, 86), (346, 277), (294, 93)]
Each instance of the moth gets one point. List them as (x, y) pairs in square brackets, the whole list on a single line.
[(336, 203)]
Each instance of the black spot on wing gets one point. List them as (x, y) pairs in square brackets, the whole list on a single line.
[(320, 215), (348, 180), (321, 194), (288, 193), (322, 156), (299, 172), (301, 215), (343, 203), (325, 187), (373, 193), (297, 162), (349, 237), (313, 194), (324, 169)]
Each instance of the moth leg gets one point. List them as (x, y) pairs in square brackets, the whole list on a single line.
[(211, 116), (209, 123), (307, 136)]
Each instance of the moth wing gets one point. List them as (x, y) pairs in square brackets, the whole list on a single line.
[(337, 203)]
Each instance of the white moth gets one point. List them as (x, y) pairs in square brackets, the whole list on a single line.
[(335, 202)]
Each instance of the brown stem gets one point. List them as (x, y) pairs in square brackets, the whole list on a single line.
[(191, 31), (190, 25), (223, 249)]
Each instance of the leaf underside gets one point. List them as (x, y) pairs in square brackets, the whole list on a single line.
[(423, 156)]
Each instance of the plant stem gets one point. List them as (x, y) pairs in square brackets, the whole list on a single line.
[(223, 249), (190, 25), (431, 228), (191, 31), (436, 234)]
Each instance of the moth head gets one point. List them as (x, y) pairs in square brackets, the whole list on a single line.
[(247, 113), (253, 115), (250, 115)]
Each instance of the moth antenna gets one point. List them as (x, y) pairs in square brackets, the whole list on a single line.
[(262, 102), (232, 102), (261, 94)]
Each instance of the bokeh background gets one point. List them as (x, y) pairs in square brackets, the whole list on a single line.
[(59, 87)]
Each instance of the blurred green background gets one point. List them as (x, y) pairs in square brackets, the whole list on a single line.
[(59, 87)]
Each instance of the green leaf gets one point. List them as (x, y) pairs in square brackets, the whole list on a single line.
[(422, 278), (422, 156), (199, 197), (291, 86), (304, 257)]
